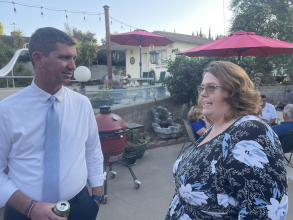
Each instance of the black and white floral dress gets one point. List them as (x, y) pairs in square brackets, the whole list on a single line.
[(239, 174)]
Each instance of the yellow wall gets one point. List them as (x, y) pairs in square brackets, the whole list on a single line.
[(133, 70)]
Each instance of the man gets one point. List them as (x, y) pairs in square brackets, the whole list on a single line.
[(268, 111), (49, 139), (286, 126)]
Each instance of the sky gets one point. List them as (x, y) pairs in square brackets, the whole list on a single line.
[(183, 16)]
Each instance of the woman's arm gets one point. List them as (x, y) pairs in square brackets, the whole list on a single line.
[(201, 131)]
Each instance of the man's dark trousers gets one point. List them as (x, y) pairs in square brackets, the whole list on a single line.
[(82, 206)]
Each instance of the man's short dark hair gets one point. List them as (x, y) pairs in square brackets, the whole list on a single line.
[(45, 41), (263, 97)]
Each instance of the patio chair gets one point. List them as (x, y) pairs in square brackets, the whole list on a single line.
[(189, 135), (162, 77), (287, 145), (145, 75)]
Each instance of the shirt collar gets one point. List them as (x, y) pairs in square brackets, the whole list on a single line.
[(286, 122), (44, 96)]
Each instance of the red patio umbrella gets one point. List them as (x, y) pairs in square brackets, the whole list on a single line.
[(240, 43), (140, 38)]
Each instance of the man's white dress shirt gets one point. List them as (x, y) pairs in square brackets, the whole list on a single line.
[(22, 143), (269, 112)]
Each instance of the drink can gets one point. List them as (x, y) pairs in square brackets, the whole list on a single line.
[(62, 208)]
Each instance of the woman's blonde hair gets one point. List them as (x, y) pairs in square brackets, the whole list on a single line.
[(193, 114), (242, 96)]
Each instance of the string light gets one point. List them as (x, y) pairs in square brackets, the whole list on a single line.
[(59, 9), (14, 8)]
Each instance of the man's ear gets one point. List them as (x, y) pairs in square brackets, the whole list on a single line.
[(37, 58)]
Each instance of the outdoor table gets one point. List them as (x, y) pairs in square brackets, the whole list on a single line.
[(140, 80), (132, 126)]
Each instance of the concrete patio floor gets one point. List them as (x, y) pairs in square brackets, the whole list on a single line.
[(152, 199)]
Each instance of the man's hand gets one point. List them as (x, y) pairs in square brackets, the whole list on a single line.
[(43, 211), (272, 121), (98, 203), (97, 191)]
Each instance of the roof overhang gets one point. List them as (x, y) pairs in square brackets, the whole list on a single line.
[(115, 46)]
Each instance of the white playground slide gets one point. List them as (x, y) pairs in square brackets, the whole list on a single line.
[(9, 66)]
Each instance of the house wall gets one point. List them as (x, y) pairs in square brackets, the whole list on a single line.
[(134, 70)]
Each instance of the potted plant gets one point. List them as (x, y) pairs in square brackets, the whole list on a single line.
[(146, 136), (140, 145)]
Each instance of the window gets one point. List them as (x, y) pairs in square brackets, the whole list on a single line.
[(131, 51), (162, 55)]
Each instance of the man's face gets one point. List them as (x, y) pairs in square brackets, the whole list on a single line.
[(59, 66), (263, 102)]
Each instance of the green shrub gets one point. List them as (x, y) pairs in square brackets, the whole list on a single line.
[(285, 83)]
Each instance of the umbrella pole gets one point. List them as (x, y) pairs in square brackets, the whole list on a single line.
[(239, 59), (140, 61)]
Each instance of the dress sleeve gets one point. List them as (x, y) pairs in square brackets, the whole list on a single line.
[(255, 171)]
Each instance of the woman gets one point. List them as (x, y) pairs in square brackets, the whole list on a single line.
[(197, 121), (236, 170)]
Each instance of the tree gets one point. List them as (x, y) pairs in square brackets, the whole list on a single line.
[(86, 45), (18, 39), (210, 37), (200, 33), (268, 18), (6, 53), (186, 74), (1, 29), (78, 34), (192, 33), (86, 52)]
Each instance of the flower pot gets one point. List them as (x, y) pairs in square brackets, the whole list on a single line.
[(141, 148), (131, 160)]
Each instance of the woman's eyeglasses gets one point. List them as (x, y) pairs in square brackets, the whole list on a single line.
[(209, 88)]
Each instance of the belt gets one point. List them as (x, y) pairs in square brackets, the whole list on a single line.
[(75, 198)]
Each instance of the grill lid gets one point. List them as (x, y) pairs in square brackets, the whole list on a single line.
[(109, 122)]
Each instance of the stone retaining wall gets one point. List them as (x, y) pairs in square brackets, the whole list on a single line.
[(275, 92)]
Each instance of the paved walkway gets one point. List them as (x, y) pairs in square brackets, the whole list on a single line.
[(152, 199)]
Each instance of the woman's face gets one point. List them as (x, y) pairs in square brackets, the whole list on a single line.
[(214, 105)]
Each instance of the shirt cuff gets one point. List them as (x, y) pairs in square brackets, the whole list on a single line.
[(6, 192), (96, 181)]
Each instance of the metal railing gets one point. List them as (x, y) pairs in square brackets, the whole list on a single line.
[(120, 97), (13, 77)]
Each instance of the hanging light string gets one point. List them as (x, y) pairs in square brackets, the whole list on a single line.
[(67, 11), (123, 24)]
